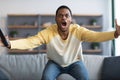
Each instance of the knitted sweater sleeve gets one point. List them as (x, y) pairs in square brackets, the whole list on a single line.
[(93, 36), (30, 42)]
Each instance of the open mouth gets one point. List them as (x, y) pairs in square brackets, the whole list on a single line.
[(64, 23)]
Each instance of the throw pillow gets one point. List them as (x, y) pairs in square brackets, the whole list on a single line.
[(111, 68)]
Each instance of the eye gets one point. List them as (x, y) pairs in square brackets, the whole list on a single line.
[(67, 15), (60, 15)]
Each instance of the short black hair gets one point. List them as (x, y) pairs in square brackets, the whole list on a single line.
[(63, 6)]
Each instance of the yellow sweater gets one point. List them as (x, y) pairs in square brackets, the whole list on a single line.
[(63, 52)]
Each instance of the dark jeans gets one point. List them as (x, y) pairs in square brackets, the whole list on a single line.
[(76, 70)]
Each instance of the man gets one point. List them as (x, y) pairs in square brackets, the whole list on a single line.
[(64, 48)]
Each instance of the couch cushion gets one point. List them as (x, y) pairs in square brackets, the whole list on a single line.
[(23, 67), (94, 65), (4, 75), (111, 68)]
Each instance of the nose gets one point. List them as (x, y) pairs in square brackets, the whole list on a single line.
[(63, 17)]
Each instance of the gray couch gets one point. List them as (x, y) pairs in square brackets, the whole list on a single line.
[(30, 67)]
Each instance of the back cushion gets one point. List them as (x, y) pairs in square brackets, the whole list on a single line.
[(111, 68), (94, 65)]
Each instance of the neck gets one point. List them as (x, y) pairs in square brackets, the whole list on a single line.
[(64, 34)]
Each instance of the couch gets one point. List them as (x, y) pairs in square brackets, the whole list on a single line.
[(30, 67)]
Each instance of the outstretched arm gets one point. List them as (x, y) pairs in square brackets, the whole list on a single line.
[(117, 32)]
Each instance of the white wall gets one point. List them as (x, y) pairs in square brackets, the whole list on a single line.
[(49, 7)]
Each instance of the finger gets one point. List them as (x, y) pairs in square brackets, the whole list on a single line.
[(1, 44), (116, 22), (6, 37)]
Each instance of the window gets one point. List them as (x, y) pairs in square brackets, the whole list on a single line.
[(117, 16)]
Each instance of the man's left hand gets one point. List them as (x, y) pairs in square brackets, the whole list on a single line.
[(117, 32)]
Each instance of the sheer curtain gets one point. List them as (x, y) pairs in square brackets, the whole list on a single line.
[(117, 16)]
